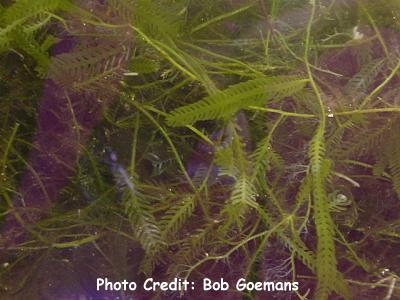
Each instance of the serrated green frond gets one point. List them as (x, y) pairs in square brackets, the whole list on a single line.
[(297, 246), (123, 8), (6, 35), (21, 35), (28, 44), (264, 155), (88, 68), (326, 255), (193, 246), (392, 156), (363, 79), (226, 103), (236, 164), (158, 19), (224, 158), (232, 156), (260, 157), (176, 216), (21, 10), (143, 65), (243, 197), (367, 140), (143, 222), (304, 191), (317, 152)]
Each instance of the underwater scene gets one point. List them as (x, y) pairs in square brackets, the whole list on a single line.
[(186, 149)]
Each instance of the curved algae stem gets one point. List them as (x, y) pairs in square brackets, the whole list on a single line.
[(200, 49), (365, 165), (342, 113), (308, 67), (160, 49), (360, 261), (192, 128), (381, 86), (263, 184), (281, 38), (34, 174), (3, 162), (132, 165), (220, 18), (76, 243), (377, 32), (168, 139), (255, 256), (176, 154), (347, 178), (369, 111), (167, 51), (265, 234), (269, 138), (177, 86), (281, 112)]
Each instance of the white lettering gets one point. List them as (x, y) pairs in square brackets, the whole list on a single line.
[(115, 286), (148, 281), (100, 282), (220, 285)]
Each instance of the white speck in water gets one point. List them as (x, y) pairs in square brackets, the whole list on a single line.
[(6, 264), (131, 73), (357, 35), (330, 113), (384, 271)]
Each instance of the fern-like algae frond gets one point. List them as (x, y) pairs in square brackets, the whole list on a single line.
[(21, 10), (26, 41), (88, 68), (243, 198), (140, 215), (392, 156), (264, 154), (328, 277), (372, 139), (226, 103), (176, 216), (363, 79), (243, 195), (143, 223), (143, 65), (157, 19), (123, 9), (20, 23)]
